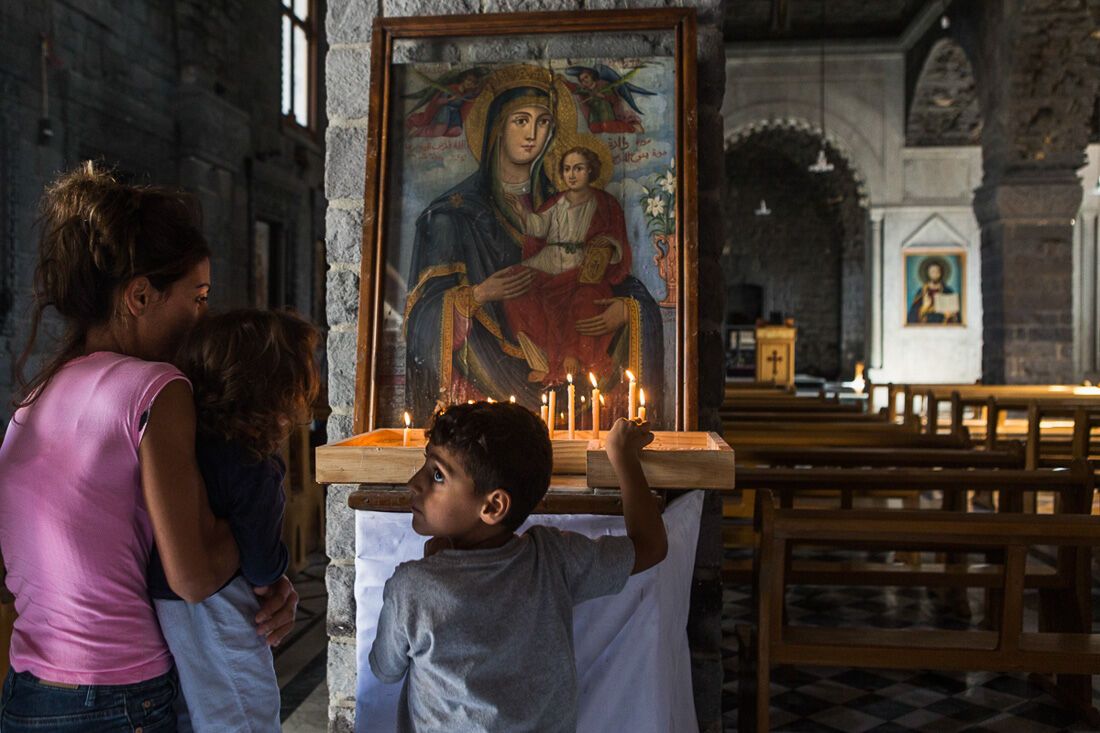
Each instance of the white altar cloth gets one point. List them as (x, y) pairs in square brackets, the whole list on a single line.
[(631, 649)]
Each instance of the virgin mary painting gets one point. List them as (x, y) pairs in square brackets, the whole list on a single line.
[(467, 246)]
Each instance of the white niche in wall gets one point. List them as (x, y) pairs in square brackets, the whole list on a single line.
[(931, 304)]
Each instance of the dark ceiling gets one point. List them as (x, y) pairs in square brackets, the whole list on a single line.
[(774, 20)]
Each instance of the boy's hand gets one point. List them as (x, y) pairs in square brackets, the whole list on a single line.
[(627, 438), (435, 544)]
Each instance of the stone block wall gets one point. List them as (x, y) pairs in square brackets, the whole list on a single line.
[(178, 92), (1035, 62), (347, 67)]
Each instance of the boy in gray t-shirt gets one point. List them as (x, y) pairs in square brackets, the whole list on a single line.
[(483, 625)]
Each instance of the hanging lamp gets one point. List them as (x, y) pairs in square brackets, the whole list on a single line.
[(822, 164)]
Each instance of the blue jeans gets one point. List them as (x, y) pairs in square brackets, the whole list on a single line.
[(29, 704)]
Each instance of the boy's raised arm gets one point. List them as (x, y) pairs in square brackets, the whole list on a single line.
[(643, 520)]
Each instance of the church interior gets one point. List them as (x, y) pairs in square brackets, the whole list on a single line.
[(880, 260)]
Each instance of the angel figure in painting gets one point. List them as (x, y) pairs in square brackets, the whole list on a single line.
[(576, 245), (443, 104), (607, 98)]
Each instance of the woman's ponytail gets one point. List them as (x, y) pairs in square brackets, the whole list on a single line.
[(98, 234)]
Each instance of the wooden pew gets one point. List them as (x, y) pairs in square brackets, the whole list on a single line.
[(802, 404), (911, 392), (836, 418), (1074, 488), (1041, 452), (1010, 455), (1085, 411), (1075, 485), (749, 436), (1064, 646), (761, 389), (771, 433), (935, 395)]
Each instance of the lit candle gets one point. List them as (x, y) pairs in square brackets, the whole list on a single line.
[(571, 391), (632, 396), (512, 399), (641, 403), (597, 399), (405, 432), (543, 409), (553, 413), (490, 400)]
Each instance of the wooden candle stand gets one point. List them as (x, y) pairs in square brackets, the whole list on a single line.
[(674, 460)]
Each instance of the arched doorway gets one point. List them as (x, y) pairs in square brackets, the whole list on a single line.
[(807, 253)]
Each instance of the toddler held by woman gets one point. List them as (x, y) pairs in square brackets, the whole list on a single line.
[(254, 379)]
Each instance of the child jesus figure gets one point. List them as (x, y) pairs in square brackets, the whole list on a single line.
[(577, 247)]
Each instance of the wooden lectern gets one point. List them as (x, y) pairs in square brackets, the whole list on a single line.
[(775, 352)]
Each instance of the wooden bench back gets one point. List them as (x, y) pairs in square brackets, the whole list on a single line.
[(769, 433), (1074, 487), (943, 392), (1054, 649), (1010, 455)]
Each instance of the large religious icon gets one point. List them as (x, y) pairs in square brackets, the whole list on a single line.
[(528, 220), (934, 287)]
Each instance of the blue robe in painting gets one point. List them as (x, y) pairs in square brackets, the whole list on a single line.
[(461, 239)]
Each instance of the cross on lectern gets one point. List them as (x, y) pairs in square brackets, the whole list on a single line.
[(774, 360)]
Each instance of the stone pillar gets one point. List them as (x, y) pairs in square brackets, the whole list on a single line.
[(875, 306), (347, 81), (705, 619), (1027, 277), (1032, 60)]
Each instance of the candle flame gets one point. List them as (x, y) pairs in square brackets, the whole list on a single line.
[(582, 399), (569, 378), (512, 399), (544, 398), (630, 375), (490, 400), (408, 420), (602, 400), (469, 402), (641, 397), (592, 379)]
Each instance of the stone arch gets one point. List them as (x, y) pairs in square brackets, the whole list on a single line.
[(809, 255), (944, 108)]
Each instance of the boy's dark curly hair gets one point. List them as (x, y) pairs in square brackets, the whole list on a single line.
[(253, 374), (501, 445)]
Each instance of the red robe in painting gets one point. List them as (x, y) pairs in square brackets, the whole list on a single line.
[(549, 310)]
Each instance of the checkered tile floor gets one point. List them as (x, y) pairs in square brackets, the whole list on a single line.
[(860, 701)]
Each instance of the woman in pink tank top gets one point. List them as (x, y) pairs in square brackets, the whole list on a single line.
[(99, 460)]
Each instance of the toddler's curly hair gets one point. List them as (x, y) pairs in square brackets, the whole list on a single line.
[(254, 376)]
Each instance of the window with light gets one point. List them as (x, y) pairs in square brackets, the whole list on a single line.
[(297, 62)]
